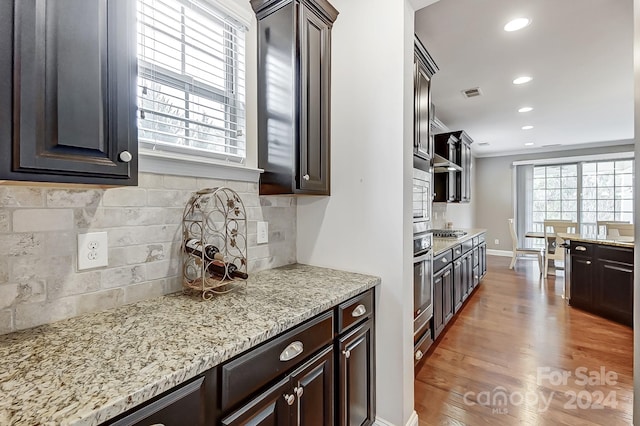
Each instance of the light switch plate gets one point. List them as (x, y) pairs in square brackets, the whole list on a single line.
[(93, 250), (263, 232)]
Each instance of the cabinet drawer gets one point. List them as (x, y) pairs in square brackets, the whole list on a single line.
[(355, 310), (581, 249), (475, 241), (616, 254), (457, 251), (184, 406), (442, 260), (246, 374), (467, 245), (420, 349)]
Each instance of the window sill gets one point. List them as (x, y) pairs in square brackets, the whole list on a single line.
[(184, 165)]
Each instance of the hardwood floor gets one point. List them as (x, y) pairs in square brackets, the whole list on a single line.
[(513, 341)]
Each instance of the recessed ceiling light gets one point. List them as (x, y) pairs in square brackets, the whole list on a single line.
[(525, 109), (522, 80), (528, 144), (527, 127), (516, 24), (453, 169)]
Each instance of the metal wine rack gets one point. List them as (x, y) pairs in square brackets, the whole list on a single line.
[(214, 217)]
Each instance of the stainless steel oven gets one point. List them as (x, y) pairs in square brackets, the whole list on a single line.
[(422, 279)]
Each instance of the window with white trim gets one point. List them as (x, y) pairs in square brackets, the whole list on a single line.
[(191, 79), (583, 192)]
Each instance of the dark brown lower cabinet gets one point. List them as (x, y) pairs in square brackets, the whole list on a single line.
[(458, 292), (455, 280), (321, 372), (356, 383), (182, 406), (442, 299), (303, 398), (601, 280)]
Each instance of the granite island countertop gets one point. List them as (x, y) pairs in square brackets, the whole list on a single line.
[(88, 369), (442, 244), (620, 241)]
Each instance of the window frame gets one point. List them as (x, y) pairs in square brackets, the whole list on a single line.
[(175, 159)]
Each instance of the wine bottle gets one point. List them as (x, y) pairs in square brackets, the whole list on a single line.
[(229, 270), (211, 252)]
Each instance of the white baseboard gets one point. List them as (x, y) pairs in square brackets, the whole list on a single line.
[(413, 421), (504, 253)]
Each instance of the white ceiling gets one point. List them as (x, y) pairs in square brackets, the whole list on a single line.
[(579, 53)]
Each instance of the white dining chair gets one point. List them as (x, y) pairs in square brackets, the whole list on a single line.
[(553, 249), (519, 251), (604, 224), (619, 230)]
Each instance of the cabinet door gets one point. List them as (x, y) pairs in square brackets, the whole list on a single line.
[(613, 290), (458, 292), (447, 294), (313, 167), (483, 260), (270, 408), (466, 173), (313, 387), (74, 94), (422, 145), (581, 282), (356, 387), (438, 308)]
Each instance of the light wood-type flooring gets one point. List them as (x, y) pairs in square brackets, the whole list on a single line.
[(518, 355)]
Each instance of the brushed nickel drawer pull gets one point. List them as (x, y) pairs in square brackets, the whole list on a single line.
[(298, 391), (581, 248), (419, 355), (289, 398), (346, 353), (444, 260), (292, 351), (588, 262), (306, 177), (359, 311)]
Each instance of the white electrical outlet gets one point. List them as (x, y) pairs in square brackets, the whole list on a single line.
[(263, 232), (497, 242), (93, 250)]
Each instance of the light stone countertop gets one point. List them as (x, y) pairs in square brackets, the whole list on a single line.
[(88, 369), (595, 239), (442, 244)]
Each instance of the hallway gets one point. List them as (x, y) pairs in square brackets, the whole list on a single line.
[(517, 354)]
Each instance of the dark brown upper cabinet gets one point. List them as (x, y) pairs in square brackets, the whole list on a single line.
[(294, 67), (424, 69), (452, 178), (67, 91)]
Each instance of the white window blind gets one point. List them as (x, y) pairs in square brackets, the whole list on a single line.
[(191, 79)]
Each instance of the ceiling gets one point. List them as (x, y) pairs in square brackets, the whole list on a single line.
[(579, 53)]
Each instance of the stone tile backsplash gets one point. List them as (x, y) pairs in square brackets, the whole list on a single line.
[(39, 280)]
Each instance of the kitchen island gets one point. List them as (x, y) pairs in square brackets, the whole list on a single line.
[(599, 275), (89, 369)]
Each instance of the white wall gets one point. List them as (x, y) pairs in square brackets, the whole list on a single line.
[(365, 226)]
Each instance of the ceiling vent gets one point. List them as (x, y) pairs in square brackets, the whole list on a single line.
[(472, 93), (483, 144)]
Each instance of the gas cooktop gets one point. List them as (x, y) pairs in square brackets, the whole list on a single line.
[(448, 233)]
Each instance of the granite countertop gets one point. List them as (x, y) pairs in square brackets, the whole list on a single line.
[(88, 369), (599, 239), (442, 244)]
